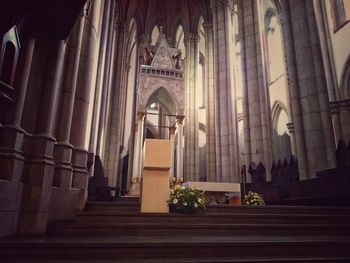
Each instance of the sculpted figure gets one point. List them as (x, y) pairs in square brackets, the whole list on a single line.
[(177, 59), (147, 56)]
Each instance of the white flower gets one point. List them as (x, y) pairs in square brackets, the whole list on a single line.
[(175, 201), (183, 188), (195, 205), (185, 203)]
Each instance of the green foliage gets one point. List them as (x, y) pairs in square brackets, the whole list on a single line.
[(253, 198), (187, 200)]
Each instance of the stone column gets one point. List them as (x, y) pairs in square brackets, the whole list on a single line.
[(63, 206), (328, 63), (210, 103), (11, 154), (180, 155), (82, 97), (295, 105), (308, 92), (102, 78), (39, 176), (137, 160), (116, 103), (227, 162), (172, 139), (320, 75), (191, 160)]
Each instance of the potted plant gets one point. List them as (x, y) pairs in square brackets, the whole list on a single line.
[(253, 198), (187, 200)]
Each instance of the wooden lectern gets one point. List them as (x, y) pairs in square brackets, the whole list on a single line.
[(156, 172)]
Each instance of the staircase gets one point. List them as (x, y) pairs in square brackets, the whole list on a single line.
[(117, 232)]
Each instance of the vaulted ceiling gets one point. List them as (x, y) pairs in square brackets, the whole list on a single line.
[(166, 13)]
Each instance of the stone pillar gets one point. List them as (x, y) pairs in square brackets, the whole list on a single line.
[(180, 155), (39, 175), (172, 139), (82, 97), (11, 155), (62, 206), (328, 63), (137, 160), (210, 103), (102, 78), (227, 162), (308, 92), (295, 106), (191, 160), (116, 103)]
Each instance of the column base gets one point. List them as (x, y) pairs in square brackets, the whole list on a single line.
[(37, 186), (135, 189)]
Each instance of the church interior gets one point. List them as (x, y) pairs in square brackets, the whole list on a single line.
[(253, 94)]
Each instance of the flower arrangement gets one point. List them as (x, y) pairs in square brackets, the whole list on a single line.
[(187, 200), (253, 198)]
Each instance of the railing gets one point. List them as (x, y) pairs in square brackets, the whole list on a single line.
[(161, 72)]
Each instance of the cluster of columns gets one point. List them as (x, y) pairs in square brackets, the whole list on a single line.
[(42, 141)]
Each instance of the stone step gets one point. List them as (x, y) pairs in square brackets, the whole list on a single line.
[(209, 218), (197, 260), (134, 206), (193, 229), (177, 248)]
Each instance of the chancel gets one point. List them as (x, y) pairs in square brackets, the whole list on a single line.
[(113, 112)]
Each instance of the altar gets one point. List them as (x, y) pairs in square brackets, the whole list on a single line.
[(219, 193)]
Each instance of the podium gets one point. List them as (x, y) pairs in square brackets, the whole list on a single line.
[(156, 173)]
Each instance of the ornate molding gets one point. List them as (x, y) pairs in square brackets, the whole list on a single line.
[(191, 38), (120, 27), (215, 4), (337, 106), (180, 119), (140, 115), (290, 127)]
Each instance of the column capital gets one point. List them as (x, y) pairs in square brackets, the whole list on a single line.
[(222, 4), (172, 130), (290, 127), (180, 119), (208, 25), (191, 38), (140, 115), (120, 26)]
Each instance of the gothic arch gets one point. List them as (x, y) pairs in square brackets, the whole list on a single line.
[(277, 107), (156, 21), (164, 97), (200, 12), (345, 80), (173, 29), (135, 14)]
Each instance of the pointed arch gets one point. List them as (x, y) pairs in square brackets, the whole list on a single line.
[(156, 21), (277, 107), (345, 80), (136, 15), (164, 97), (173, 29), (200, 12)]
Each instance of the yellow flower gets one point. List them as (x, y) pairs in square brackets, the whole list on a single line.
[(177, 187)]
